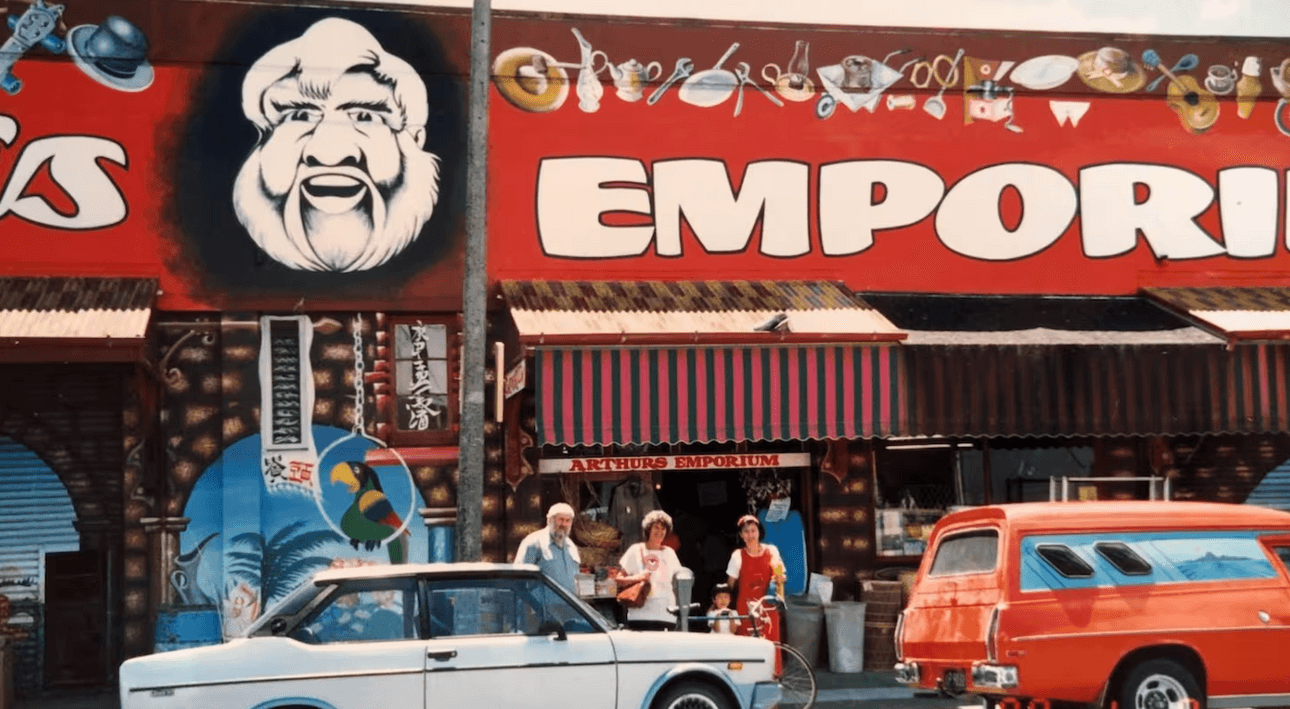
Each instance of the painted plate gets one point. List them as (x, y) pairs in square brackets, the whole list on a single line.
[(1046, 72)]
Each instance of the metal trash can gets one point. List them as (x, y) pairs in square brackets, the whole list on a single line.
[(845, 621), (804, 618)]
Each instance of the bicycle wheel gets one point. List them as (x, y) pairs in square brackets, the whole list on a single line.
[(796, 678)]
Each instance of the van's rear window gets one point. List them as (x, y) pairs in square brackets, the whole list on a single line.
[(1065, 560), (969, 553)]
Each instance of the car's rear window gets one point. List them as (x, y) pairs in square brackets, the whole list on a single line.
[(1126, 560), (967, 553), (1064, 560)]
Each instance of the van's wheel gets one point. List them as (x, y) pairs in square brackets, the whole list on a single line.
[(1160, 684), (691, 695)]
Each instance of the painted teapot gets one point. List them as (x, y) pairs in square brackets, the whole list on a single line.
[(631, 76)]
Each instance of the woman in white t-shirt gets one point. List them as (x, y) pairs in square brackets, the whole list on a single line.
[(659, 562)]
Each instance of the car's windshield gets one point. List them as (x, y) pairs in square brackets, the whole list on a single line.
[(289, 606)]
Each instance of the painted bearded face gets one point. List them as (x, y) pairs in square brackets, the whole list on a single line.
[(340, 183)]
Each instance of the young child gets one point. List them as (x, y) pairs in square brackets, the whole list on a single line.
[(722, 610)]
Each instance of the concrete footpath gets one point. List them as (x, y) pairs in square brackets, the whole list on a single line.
[(834, 688)]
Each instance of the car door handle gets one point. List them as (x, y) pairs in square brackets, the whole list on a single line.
[(441, 655)]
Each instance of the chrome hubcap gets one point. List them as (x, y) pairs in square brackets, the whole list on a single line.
[(1161, 692), (692, 701)]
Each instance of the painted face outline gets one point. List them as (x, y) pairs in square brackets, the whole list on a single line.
[(339, 180)]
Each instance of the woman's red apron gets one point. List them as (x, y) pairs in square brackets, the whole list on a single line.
[(754, 579)]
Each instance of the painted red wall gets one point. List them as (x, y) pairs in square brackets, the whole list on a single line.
[(1132, 128)]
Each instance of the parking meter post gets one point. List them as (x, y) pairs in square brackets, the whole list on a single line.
[(683, 585)]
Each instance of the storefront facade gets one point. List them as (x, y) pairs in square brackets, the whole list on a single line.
[(1079, 270), (231, 308), (731, 269)]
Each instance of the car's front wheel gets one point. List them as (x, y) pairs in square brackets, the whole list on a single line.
[(1160, 684), (691, 695)]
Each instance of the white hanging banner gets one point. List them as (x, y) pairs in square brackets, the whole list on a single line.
[(288, 457)]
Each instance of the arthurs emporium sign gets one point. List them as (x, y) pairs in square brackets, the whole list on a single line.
[(715, 461)]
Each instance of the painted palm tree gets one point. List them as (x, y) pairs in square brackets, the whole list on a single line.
[(280, 564)]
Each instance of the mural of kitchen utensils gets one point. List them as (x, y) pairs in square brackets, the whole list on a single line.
[(1045, 72), (531, 80), (710, 87), (741, 73), (984, 96), (857, 82), (589, 88), (684, 68), (535, 81), (793, 82), (935, 105), (631, 76)]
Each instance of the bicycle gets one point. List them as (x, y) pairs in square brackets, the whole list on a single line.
[(796, 677)]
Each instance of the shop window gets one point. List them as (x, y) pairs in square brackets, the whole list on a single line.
[(971, 553), (424, 390), (1065, 561), (1123, 558)]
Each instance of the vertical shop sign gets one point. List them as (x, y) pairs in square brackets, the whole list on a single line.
[(421, 360), (288, 458)]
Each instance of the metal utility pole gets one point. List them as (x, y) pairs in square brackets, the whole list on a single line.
[(470, 478)]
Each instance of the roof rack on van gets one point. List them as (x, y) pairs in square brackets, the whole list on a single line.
[(1059, 487)]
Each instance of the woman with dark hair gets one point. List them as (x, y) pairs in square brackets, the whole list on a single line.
[(751, 571), (653, 560)]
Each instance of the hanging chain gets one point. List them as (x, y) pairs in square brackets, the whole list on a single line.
[(359, 402)]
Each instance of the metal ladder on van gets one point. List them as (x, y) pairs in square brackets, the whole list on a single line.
[(1059, 487)]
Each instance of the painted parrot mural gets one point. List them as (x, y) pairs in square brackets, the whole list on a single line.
[(371, 518)]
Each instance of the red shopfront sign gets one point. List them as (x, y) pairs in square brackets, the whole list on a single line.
[(1054, 164)]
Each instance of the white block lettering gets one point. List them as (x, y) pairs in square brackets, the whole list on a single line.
[(1111, 216), (772, 191), (969, 223), (848, 214), (571, 197), (1247, 209)]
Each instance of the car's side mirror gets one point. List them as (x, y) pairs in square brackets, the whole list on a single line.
[(278, 626), (552, 627)]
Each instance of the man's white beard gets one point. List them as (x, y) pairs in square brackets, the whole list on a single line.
[(559, 536), (304, 238)]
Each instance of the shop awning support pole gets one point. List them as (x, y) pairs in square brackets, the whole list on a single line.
[(470, 475)]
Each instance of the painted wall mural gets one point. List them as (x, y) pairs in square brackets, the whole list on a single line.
[(1082, 164), (248, 546), (278, 467), (278, 153)]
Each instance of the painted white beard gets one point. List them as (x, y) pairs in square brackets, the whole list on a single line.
[(559, 536), (343, 243)]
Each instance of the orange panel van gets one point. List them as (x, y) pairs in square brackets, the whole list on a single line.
[(1148, 605)]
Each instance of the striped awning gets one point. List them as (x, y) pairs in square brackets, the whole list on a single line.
[(588, 396), (56, 319), (1237, 313)]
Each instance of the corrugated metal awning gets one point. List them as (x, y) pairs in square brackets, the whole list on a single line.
[(588, 396), (1097, 391), (74, 319), (1237, 313), (1077, 366), (689, 312)]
